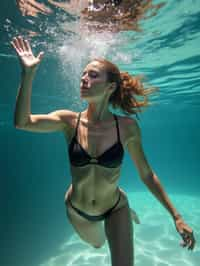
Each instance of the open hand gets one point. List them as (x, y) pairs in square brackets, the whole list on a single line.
[(27, 59), (186, 233)]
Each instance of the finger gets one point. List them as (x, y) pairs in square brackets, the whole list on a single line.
[(15, 48), (17, 44), (13, 45), (189, 240), (21, 42), (183, 244), (192, 243), (27, 45), (40, 55), (186, 238)]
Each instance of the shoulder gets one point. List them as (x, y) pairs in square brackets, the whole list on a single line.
[(130, 129), (65, 115)]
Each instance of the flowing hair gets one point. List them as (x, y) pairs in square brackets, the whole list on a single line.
[(130, 94)]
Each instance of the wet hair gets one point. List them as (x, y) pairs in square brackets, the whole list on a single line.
[(130, 94)]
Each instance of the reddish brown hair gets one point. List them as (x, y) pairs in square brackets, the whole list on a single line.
[(128, 88)]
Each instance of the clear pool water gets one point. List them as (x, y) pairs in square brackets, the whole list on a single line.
[(34, 168)]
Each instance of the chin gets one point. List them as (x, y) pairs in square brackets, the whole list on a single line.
[(85, 97), (88, 97)]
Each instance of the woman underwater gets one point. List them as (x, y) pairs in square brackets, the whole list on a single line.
[(96, 207)]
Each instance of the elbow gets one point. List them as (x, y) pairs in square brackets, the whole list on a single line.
[(149, 178), (19, 124), (16, 123)]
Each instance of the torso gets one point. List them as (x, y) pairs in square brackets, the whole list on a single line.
[(94, 188)]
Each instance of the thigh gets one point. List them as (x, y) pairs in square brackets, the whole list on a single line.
[(89, 231), (119, 232)]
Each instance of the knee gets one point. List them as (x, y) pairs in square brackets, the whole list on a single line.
[(98, 245)]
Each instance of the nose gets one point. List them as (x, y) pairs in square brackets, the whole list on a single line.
[(84, 77)]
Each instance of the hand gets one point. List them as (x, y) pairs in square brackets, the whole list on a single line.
[(28, 61), (32, 8), (186, 233)]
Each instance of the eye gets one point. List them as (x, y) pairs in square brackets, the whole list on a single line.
[(93, 74)]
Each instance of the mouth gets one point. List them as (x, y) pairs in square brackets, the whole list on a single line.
[(83, 91), (84, 88)]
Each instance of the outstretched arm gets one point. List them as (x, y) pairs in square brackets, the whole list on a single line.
[(134, 145), (54, 121)]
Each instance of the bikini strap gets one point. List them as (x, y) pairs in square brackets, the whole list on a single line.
[(77, 124), (117, 126)]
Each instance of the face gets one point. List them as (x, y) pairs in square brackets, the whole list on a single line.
[(94, 85)]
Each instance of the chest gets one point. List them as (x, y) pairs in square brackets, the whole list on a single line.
[(96, 140)]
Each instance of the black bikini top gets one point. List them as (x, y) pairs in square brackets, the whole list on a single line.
[(111, 158)]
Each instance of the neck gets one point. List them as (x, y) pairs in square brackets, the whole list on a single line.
[(97, 112)]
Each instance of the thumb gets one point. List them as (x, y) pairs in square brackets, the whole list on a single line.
[(40, 55)]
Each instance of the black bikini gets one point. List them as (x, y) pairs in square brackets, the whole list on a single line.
[(111, 158), (95, 218)]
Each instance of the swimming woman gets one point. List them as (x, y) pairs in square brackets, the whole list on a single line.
[(96, 207)]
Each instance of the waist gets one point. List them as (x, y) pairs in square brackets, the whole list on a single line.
[(96, 217), (79, 203)]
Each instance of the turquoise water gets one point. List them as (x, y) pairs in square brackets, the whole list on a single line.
[(34, 167), (155, 238)]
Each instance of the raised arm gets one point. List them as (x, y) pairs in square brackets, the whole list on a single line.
[(134, 145), (23, 118)]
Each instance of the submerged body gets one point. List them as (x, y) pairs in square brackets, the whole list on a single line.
[(94, 196), (96, 169)]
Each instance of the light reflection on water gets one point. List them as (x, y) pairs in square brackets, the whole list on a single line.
[(167, 55)]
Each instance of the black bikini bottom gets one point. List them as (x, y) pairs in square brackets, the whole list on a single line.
[(95, 218)]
